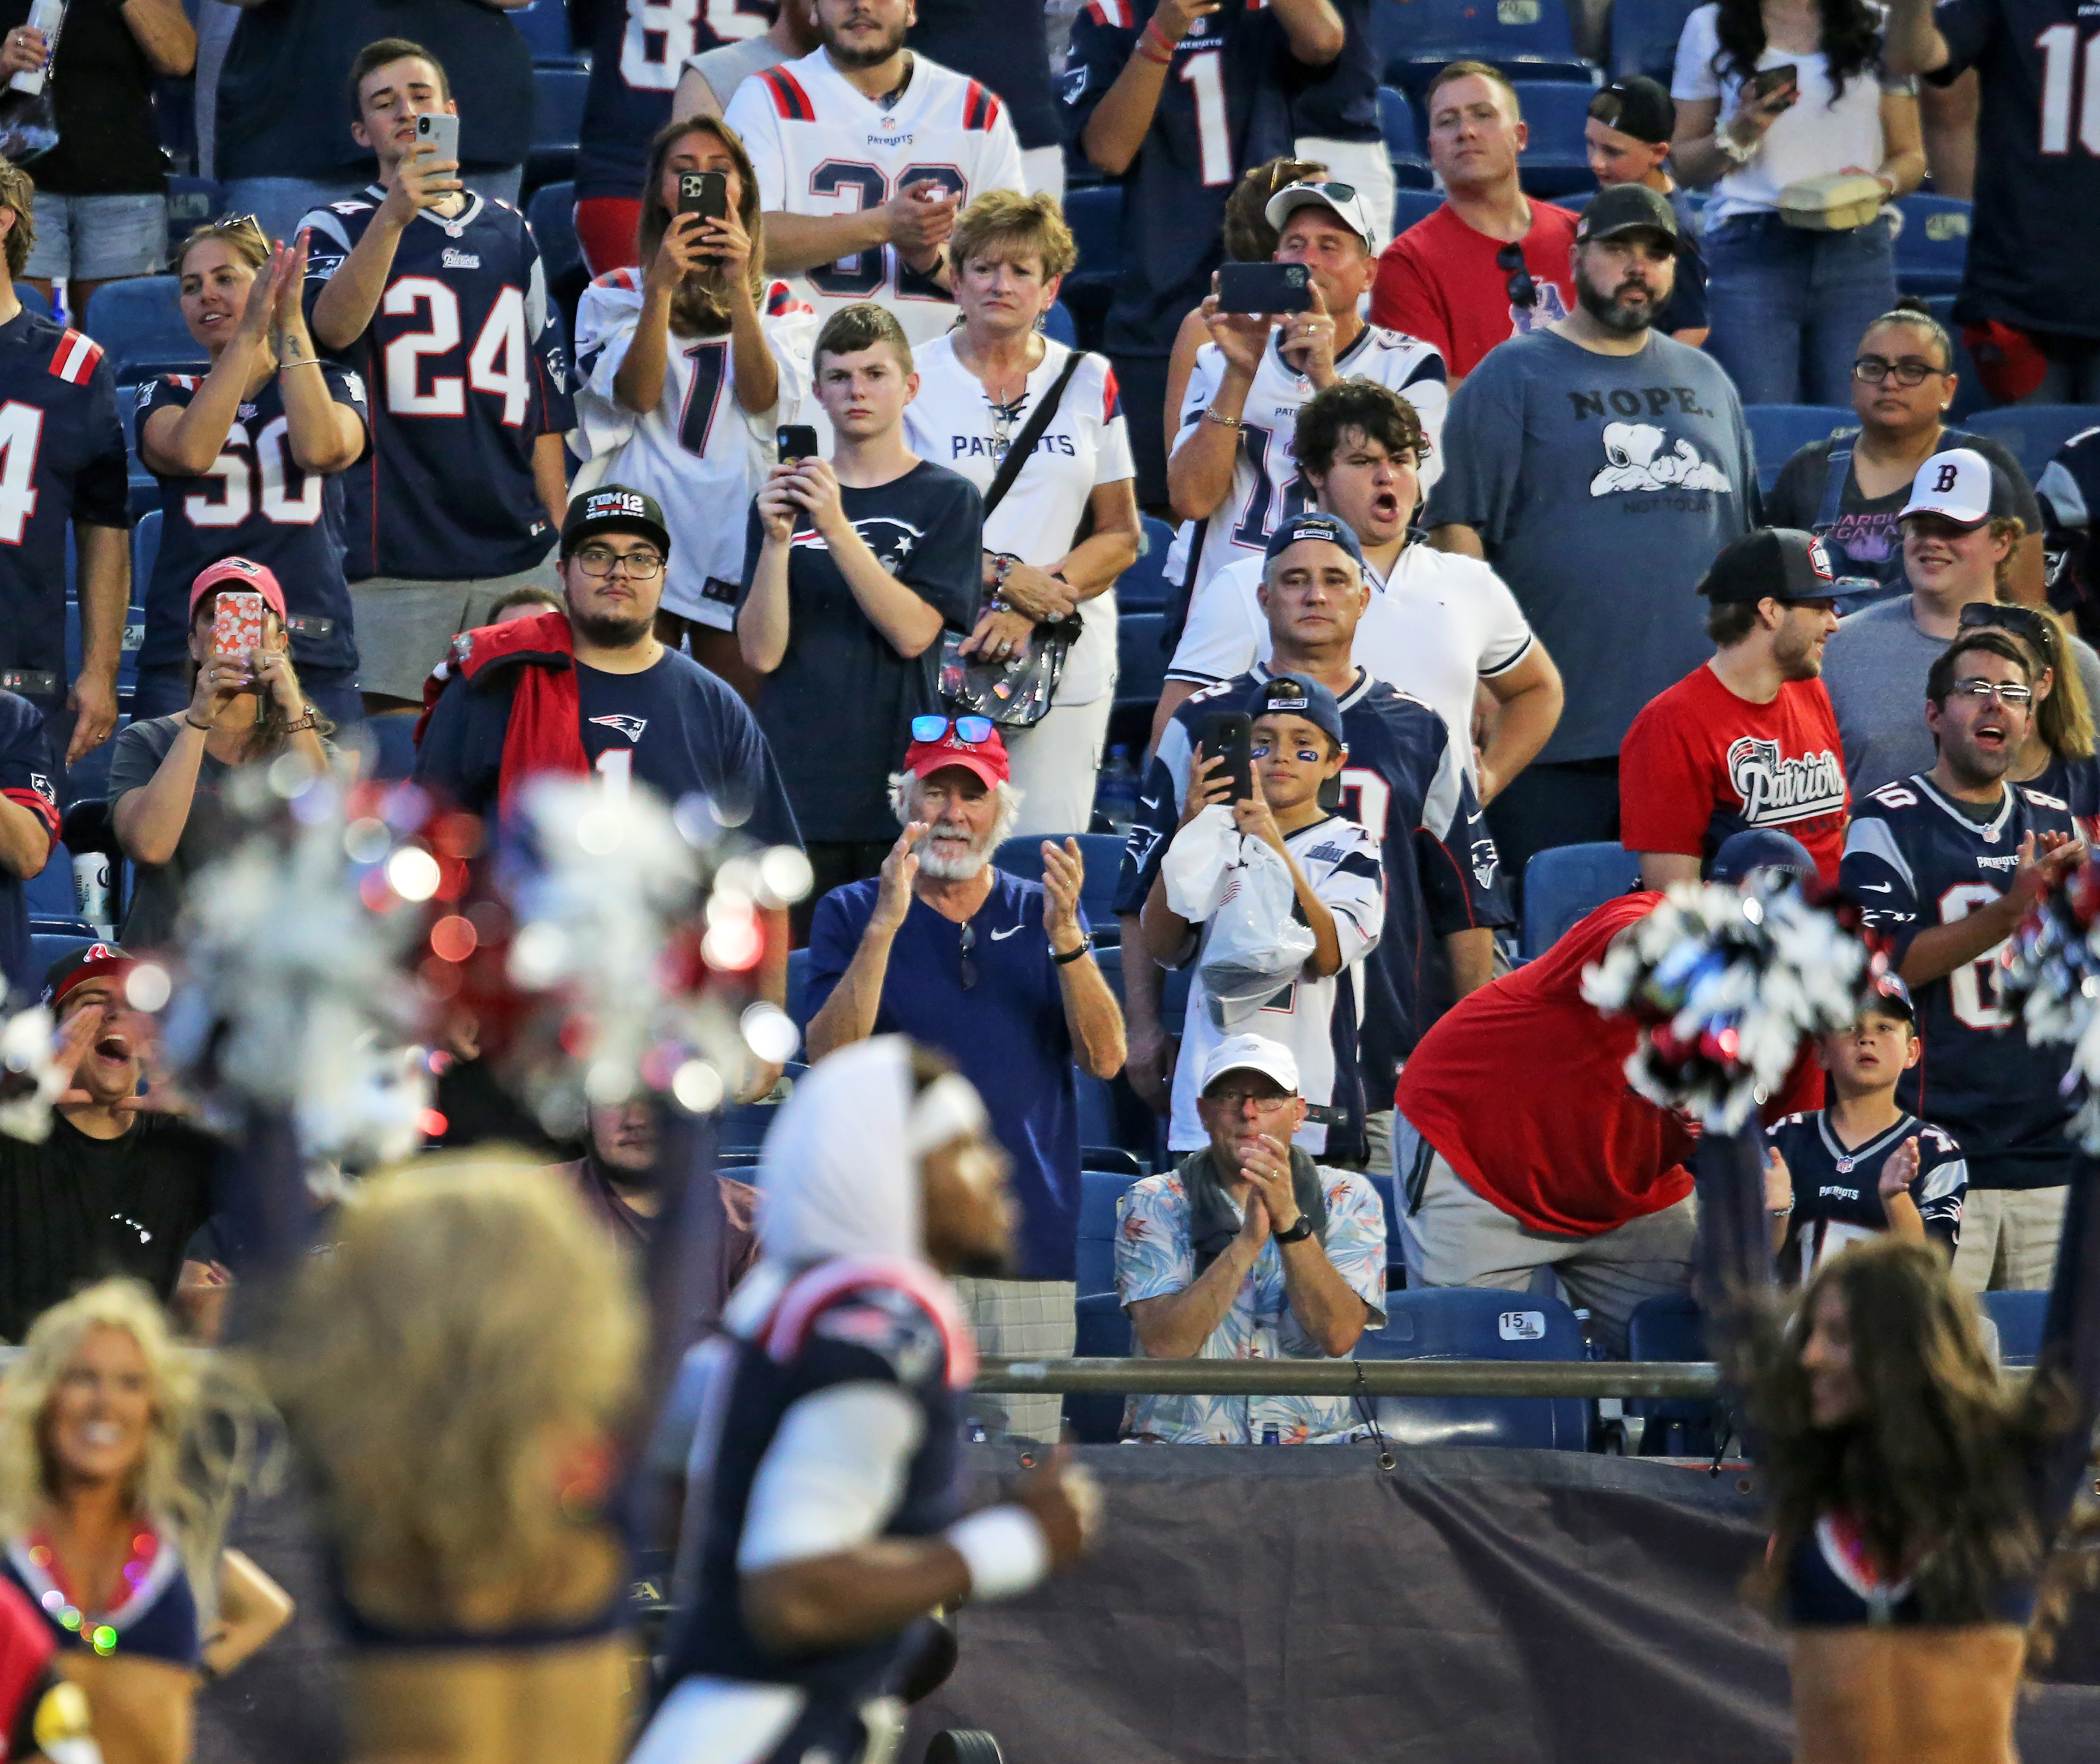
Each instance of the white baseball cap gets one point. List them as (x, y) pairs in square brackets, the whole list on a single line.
[(1955, 485), (1251, 1053), (1345, 200)]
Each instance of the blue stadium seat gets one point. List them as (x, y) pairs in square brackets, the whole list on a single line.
[(2018, 1316), (1644, 34), (1095, 1418), (1932, 243), (1100, 1215), (2034, 433), (1970, 396), (1403, 141), (1142, 587), (557, 115), (552, 216), (798, 987), (545, 24), (1095, 214), (49, 894), (1670, 1328), (1476, 1323), (1173, 990), (1411, 207), (50, 938), (393, 738), (1782, 431), (33, 299), (145, 553), (140, 327), (1529, 39), (192, 201), (1141, 661), (1102, 855), (1097, 1112), (1556, 162), (744, 1126), (1058, 327), (1564, 882)]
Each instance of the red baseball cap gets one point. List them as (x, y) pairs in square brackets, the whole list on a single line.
[(985, 758), (238, 573)]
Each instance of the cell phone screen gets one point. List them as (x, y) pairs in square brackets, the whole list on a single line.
[(1228, 735)]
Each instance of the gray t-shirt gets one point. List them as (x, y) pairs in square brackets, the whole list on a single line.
[(1601, 486), (729, 67), (1874, 668)]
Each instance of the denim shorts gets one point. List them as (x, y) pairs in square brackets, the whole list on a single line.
[(98, 238)]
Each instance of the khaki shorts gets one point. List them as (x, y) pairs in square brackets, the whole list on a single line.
[(2009, 1238), (405, 628)]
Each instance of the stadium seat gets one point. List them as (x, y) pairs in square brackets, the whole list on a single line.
[(1528, 39), (1556, 162), (49, 894), (140, 327), (545, 24), (1095, 216), (1173, 990), (192, 201), (1644, 34), (33, 299), (1142, 587), (1100, 1215), (145, 554), (1782, 431), (1564, 882), (1403, 141), (1411, 207), (50, 938), (1970, 396), (1670, 1328), (1477, 1323), (1932, 243), (557, 115), (2018, 1316), (1096, 1417), (1058, 327), (392, 736), (2034, 433), (744, 1126), (1141, 661), (798, 987), (552, 216), (1097, 1115), (1102, 855)]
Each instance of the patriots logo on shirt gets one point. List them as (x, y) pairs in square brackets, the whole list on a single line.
[(1775, 790), (43, 786), (891, 540), (630, 726)]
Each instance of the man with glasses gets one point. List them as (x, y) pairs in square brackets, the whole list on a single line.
[(1491, 263), (997, 973), (1957, 555), (1946, 863)]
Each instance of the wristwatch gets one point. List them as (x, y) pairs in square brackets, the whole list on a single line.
[(1298, 1233), (1086, 946)]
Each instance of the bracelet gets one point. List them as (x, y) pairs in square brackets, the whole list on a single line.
[(305, 722), (1160, 51), (202, 728), (1086, 948), (1002, 566), (1220, 419)]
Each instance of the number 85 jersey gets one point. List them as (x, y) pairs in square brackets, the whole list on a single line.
[(465, 364), (821, 148), (1914, 858)]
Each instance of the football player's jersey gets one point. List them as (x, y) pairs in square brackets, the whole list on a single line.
[(2069, 492), (699, 452), (1837, 1188), (1913, 860), (466, 369), (1405, 784), (255, 503), (820, 146), (1225, 106), (26, 780), (638, 48), (2037, 160), (61, 460), (1267, 488)]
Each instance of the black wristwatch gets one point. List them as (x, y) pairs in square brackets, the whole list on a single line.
[(1298, 1233), (1065, 960)]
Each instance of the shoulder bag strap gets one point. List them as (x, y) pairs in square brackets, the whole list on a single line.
[(1031, 432)]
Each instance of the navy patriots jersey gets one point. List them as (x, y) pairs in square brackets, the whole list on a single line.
[(2037, 160), (466, 368), (1837, 1188), (638, 47), (26, 776), (1914, 860), (61, 460), (1340, 102), (2069, 492), (1404, 784), (255, 502), (1226, 106)]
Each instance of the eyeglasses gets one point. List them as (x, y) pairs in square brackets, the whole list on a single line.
[(1910, 371), (597, 562), (935, 727), (1523, 290), (1234, 1100), (1984, 615), (968, 951), (2017, 696)]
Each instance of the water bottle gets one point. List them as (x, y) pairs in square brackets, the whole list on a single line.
[(28, 125), (1270, 1434), (1115, 793)]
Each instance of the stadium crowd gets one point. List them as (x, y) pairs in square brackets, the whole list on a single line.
[(802, 459)]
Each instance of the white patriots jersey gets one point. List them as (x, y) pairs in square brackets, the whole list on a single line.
[(699, 452), (1267, 489), (821, 148)]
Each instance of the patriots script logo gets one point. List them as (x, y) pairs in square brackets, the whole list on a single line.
[(630, 726), (1775, 791)]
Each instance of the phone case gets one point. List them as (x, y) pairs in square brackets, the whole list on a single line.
[(236, 623)]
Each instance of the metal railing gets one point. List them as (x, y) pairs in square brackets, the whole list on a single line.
[(1349, 1377)]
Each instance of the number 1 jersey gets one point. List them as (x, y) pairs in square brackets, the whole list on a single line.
[(820, 146), (466, 369)]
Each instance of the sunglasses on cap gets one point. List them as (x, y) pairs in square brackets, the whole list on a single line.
[(1984, 615), (935, 727), (1523, 291)]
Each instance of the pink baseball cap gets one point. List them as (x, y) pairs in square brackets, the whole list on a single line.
[(238, 573)]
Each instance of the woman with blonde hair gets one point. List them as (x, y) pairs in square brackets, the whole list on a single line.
[(688, 366), (2056, 758), (114, 1488), (453, 1373)]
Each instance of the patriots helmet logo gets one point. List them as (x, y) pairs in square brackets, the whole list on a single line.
[(630, 726)]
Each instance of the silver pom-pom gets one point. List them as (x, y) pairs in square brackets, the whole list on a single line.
[(30, 1080), (2051, 975)]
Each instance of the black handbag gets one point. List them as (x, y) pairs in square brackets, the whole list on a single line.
[(1016, 694)]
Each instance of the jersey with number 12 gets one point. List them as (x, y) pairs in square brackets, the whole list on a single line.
[(820, 146)]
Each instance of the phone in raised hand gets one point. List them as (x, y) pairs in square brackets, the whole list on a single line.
[(437, 130), (1228, 735)]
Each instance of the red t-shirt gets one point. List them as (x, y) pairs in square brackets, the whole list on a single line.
[(1438, 281), (1699, 764)]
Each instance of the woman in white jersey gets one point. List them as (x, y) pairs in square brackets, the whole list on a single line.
[(688, 366), (1068, 527)]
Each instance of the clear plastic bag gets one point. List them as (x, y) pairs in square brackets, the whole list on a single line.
[(1241, 892)]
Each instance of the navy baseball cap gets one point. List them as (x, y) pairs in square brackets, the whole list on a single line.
[(1892, 996), (1295, 696), (1760, 847), (1314, 525)]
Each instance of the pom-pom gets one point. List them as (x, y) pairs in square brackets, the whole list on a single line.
[(30, 1079), (2051, 977), (1725, 984)]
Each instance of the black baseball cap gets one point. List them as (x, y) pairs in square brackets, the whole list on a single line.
[(1638, 106), (1781, 562), (1315, 526), (1627, 208), (615, 508)]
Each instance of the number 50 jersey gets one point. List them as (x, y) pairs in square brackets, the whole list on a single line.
[(1913, 860), (466, 369)]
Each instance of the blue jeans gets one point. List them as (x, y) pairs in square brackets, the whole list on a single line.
[(1789, 305)]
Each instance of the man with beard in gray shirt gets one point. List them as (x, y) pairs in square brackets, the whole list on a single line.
[(1600, 466)]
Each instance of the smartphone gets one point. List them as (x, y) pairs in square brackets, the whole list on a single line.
[(703, 193), (798, 441), (438, 131), (1228, 735), (1264, 288), (1767, 81), (237, 624)]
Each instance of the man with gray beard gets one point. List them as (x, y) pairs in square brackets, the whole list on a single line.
[(998, 974)]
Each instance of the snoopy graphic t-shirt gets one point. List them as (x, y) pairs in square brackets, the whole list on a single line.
[(838, 709), (1602, 487)]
